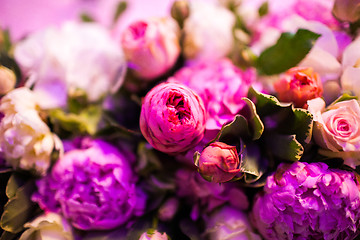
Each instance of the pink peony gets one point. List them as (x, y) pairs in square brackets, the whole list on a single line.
[(298, 85), (172, 118), (219, 162), (308, 201), (151, 46), (337, 127), (221, 85)]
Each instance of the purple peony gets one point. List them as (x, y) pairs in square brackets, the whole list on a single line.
[(206, 196), (308, 201), (172, 118), (92, 187), (221, 85)]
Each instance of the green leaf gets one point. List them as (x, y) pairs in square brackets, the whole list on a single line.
[(254, 120), (252, 164), (5, 45), (285, 147), (15, 182), (8, 236), (19, 209), (84, 122), (85, 17), (120, 9), (263, 9), (344, 97), (288, 51)]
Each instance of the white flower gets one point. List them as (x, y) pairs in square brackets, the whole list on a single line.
[(350, 79), (208, 31), (153, 235), (25, 139), (59, 61), (48, 226)]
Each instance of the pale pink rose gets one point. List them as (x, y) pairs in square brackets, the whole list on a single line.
[(337, 127), (208, 31), (7, 80), (172, 118), (298, 85), (151, 46), (219, 162)]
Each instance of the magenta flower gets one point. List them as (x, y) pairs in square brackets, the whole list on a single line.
[(308, 201), (204, 196), (219, 162), (151, 46), (92, 187), (172, 118), (221, 85)]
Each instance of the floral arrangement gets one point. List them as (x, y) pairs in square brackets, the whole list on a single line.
[(221, 120)]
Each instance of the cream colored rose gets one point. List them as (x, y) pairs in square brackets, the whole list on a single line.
[(208, 32), (48, 226), (350, 79), (25, 139), (337, 127)]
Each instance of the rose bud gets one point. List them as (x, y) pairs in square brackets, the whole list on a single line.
[(153, 235), (219, 162), (298, 85), (347, 10), (151, 46), (172, 118)]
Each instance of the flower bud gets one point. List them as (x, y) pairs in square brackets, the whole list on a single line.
[(219, 162), (298, 85), (151, 46), (172, 118), (7, 80), (180, 11), (153, 235), (347, 10)]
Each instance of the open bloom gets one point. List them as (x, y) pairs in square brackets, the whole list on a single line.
[(93, 188), (48, 226), (229, 223), (219, 162), (25, 140), (221, 85), (337, 127), (151, 46), (172, 118), (308, 201), (60, 61), (298, 85)]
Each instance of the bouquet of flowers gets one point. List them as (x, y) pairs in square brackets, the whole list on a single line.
[(220, 120)]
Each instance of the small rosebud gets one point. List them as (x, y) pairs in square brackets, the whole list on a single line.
[(347, 10), (298, 85), (7, 80), (180, 11), (153, 235), (219, 162)]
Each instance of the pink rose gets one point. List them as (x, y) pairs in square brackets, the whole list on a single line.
[(219, 162), (298, 85), (337, 127), (153, 235), (172, 118), (151, 46), (221, 85)]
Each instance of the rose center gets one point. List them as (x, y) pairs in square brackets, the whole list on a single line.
[(178, 108), (138, 30), (302, 79), (343, 128)]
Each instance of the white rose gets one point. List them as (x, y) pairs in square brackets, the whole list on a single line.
[(208, 32), (59, 61), (350, 79), (153, 235), (48, 226), (25, 139)]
